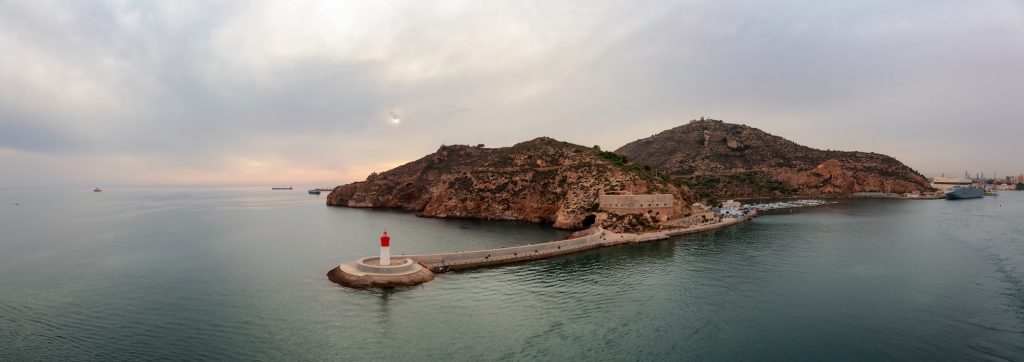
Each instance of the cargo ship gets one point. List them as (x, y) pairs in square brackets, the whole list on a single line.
[(958, 193), (281, 188)]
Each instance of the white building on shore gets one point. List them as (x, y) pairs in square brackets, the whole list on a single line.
[(731, 208), (946, 183)]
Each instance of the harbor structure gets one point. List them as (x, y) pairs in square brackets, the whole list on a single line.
[(731, 208), (417, 269), (409, 270), (617, 202), (380, 272)]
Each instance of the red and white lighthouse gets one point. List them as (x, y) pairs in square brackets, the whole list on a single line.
[(385, 250)]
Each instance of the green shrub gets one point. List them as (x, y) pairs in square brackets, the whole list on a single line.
[(613, 157)]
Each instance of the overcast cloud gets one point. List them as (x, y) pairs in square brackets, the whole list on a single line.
[(306, 92)]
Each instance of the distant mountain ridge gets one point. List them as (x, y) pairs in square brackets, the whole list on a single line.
[(729, 160), (542, 180)]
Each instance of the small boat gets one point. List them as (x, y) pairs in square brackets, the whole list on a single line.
[(314, 192), (97, 190), (281, 188)]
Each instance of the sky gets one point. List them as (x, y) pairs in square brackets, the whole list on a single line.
[(322, 93)]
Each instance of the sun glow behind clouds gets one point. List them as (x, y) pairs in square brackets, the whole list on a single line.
[(396, 119), (175, 91)]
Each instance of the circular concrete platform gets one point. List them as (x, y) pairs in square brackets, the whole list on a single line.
[(368, 273)]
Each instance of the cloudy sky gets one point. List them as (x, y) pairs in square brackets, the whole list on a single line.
[(321, 93)]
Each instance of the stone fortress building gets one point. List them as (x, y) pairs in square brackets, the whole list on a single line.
[(660, 205)]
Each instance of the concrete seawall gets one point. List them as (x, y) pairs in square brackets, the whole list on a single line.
[(370, 265), (478, 258), (416, 269), (368, 273), (622, 238), (598, 238)]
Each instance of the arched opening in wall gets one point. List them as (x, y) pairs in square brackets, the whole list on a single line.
[(589, 220)]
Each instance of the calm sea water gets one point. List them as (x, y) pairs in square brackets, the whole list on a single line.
[(238, 273)]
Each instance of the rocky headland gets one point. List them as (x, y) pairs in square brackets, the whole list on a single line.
[(720, 160), (540, 181)]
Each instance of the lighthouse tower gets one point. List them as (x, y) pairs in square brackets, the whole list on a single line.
[(385, 252)]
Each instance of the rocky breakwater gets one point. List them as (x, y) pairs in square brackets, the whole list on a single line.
[(540, 181), (718, 159)]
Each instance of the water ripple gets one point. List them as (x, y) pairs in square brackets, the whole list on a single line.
[(213, 275)]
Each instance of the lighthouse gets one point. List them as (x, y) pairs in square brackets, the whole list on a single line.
[(385, 252)]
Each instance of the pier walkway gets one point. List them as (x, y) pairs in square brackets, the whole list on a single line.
[(596, 238)]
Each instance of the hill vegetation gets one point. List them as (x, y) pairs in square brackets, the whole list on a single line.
[(720, 159), (542, 180)]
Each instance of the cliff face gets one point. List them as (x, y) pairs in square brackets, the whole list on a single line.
[(542, 180), (729, 160)]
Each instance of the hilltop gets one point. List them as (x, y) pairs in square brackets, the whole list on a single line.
[(541, 181), (718, 159)]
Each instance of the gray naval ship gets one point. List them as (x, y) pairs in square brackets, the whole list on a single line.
[(964, 192)]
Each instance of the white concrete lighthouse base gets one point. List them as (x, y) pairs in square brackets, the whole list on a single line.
[(369, 273), (385, 255)]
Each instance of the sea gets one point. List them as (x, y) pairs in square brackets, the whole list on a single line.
[(239, 273)]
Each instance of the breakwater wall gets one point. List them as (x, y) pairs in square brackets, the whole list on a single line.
[(478, 258), (417, 269), (617, 238), (598, 238)]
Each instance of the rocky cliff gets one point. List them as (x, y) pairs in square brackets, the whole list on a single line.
[(543, 180), (719, 159)]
